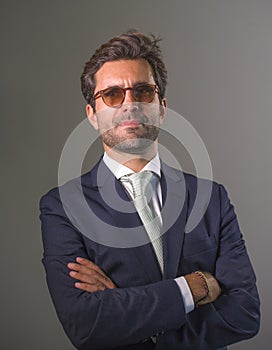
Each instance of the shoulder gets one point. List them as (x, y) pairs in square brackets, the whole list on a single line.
[(192, 181), (207, 203), (53, 198), (197, 188)]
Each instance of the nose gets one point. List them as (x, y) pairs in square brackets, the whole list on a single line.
[(129, 103), (128, 96)]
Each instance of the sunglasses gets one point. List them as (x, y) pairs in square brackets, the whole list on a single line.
[(114, 96)]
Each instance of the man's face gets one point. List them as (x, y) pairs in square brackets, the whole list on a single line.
[(133, 126)]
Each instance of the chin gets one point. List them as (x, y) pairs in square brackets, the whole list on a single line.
[(134, 146)]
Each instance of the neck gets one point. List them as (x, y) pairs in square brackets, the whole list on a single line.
[(136, 162)]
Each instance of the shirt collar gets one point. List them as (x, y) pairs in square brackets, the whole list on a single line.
[(119, 170)]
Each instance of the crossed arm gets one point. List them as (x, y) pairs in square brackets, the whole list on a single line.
[(90, 278), (96, 313)]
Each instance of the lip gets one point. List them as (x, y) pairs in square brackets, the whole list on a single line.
[(130, 123)]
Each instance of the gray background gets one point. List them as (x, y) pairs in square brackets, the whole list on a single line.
[(219, 56)]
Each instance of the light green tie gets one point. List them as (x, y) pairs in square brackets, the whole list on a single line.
[(142, 197)]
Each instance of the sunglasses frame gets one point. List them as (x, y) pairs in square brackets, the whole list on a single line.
[(124, 90)]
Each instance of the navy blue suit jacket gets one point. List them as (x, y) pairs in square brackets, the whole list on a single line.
[(145, 302)]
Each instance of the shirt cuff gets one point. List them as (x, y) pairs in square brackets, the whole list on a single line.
[(186, 294)]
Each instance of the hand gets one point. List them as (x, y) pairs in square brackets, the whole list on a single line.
[(91, 278), (198, 291), (214, 289)]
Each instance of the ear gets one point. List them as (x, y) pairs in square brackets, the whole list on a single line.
[(163, 109), (91, 116)]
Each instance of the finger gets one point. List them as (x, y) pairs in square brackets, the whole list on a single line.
[(86, 279), (86, 263), (204, 301), (90, 264), (88, 287), (91, 273), (93, 279), (83, 269), (88, 267)]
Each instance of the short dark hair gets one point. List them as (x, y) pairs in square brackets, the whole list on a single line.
[(130, 45)]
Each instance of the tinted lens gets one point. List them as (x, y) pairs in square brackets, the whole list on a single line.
[(113, 96), (144, 93)]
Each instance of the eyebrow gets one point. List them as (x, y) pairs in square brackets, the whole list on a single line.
[(137, 83)]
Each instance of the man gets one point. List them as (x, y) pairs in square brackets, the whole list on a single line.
[(153, 286)]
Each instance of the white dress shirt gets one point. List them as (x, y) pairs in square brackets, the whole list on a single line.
[(154, 165)]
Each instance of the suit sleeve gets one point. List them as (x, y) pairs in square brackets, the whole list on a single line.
[(103, 319), (235, 315)]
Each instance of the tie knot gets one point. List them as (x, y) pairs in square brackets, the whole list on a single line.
[(139, 182)]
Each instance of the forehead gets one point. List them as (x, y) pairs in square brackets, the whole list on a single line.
[(123, 72)]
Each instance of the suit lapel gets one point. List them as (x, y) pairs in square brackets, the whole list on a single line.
[(174, 214)]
